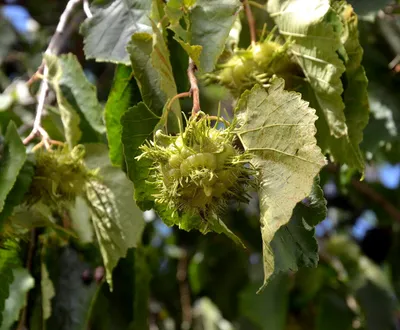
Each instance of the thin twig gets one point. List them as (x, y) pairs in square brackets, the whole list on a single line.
[(176, 97), (29, 260), (194, 88), (53, 48), (86, 9), (376, 197), (257, 5), (250, 21), (184, 291)]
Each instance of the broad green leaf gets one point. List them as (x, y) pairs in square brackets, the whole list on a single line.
[(269, 309), (11, 161), (346, 149), (79, 214), (208, 25), (22, 283), (9, 259), (294, 244), (138, 124), (278, 129), (211, 22), (107, 33), (124, 94), (315, 46), (153, 72), (117, 221), (48, 291), (75, 96), (21, 186)]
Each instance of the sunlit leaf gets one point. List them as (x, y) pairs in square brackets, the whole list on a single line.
[(124, 94), (75, 96), (278, 129), (117, 221)]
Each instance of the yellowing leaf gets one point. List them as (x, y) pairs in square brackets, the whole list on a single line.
[(278, 129)]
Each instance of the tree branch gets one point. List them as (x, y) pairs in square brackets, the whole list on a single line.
[(194, 88), (371, 194), (53, 48), (184, 291), (251, 22)]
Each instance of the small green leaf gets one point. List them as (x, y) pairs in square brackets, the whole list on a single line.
[(315, 48), (79, 214), (107, 33), (9, 259), (278, 129), (124, 94), (207, 28), (346, 149), (138, 124), (20, 286), (11, 162), (153, 72), (117, 221), (48, 291), (294, 244), (211, 22), (75, 96), (21, 186)]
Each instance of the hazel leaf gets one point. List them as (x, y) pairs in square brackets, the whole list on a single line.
[(278, 130)]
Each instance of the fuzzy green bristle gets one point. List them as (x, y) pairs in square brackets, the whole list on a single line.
[(200, 170), (255, 65), (60, 176)]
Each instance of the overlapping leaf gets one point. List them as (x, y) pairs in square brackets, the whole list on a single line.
[(315, 48), (294, 244), (22, 283), (117, 221), (153, 71), (75, 96), (207, 28), (21, 186), (278, 129), (124, 94), (12, 159), (137, 125), (107, 33), (9, 259), (355, 94), (320, 35)]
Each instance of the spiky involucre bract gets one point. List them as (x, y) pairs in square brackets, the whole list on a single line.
[(199, 170), (60, 176), (256, 65)]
